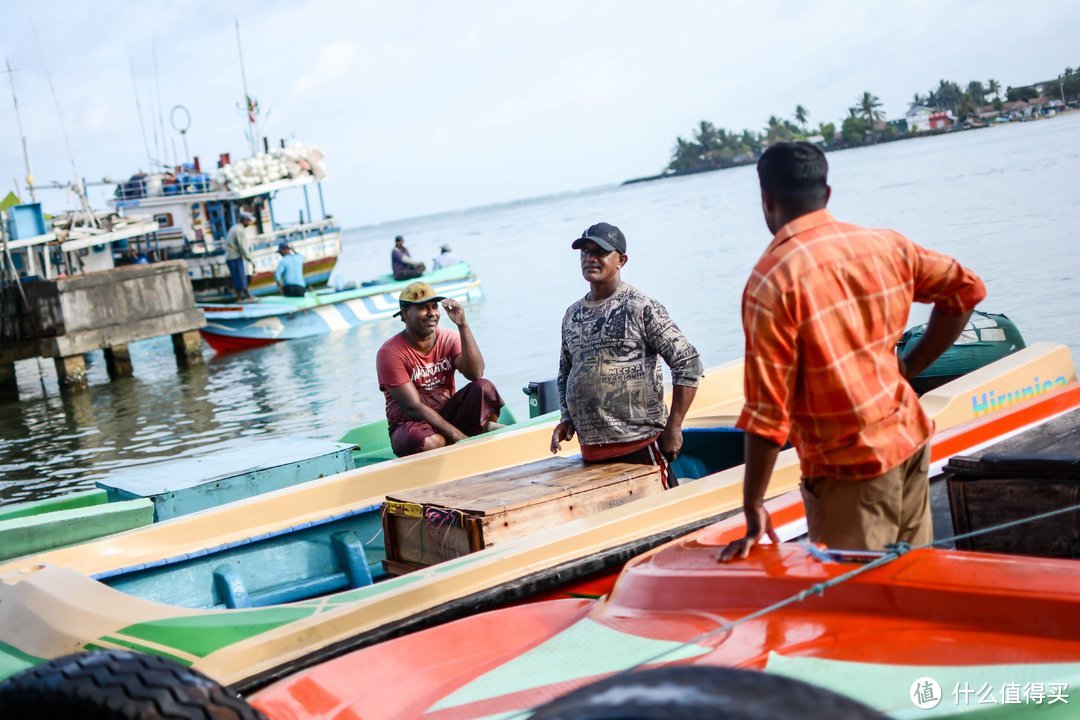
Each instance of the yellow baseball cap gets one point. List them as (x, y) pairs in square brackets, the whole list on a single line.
[(417, 293)]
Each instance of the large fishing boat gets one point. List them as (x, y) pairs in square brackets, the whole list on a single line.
[(194, 211)]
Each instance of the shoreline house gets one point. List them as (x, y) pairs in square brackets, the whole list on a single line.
[(941, 119), (922, 118), (1016, 110), (918, 118), (988, 112)]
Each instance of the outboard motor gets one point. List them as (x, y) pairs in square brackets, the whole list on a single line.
[(543, 397)]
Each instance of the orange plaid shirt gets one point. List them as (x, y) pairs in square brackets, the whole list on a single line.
[(822, 312)]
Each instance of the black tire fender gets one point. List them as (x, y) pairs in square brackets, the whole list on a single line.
[(118, 685), (703, 693)]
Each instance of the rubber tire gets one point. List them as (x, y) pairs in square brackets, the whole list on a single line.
[(118, 685), (703, 693)]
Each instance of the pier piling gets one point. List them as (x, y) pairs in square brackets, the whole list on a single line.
[(187, 347), (118, 362), (71, 372), (9, 388)]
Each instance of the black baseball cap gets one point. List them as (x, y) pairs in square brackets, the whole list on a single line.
[(606, 235)]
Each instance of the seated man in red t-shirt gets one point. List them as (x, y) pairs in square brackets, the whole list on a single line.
[(416, 374)]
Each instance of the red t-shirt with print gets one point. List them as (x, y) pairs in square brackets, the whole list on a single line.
[(433, 374)]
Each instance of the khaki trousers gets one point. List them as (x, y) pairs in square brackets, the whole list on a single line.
[(869, 514)]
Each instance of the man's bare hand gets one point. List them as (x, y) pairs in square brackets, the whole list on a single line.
[(671, 441), (758, 523), (454, 311), (564, 431), (454, 435)]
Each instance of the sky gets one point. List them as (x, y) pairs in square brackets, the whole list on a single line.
[(424, 106)]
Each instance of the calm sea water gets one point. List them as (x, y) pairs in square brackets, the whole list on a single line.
[(1002, 200)]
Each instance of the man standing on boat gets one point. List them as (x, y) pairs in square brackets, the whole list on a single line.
[(238, 254), (289, 274), (822, 312), (402, 263), (611, 387), (416, 374)]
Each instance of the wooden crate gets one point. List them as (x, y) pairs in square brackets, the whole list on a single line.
[(1021, 476), (431, 524)]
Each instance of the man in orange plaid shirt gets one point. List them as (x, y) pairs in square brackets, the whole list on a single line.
[(822, 312)]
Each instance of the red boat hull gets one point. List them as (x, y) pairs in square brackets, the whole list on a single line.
[(228, 343)]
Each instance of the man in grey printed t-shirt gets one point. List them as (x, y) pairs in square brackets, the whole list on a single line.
[(611, 387)]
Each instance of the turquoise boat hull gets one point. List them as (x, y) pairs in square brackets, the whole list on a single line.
[(167, 490), (332, 555)]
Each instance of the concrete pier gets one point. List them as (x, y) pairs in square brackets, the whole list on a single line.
[(104, 310)]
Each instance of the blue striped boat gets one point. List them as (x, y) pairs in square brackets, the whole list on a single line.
[(276, 318)]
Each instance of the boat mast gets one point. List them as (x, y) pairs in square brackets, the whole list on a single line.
[(138, 110), (78, 184), (22, 136), (249, 104), (163, 157)]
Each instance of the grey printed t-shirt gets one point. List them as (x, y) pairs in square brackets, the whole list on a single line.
[(610, 383)]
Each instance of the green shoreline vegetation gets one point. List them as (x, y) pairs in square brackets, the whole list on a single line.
[(953, 108)]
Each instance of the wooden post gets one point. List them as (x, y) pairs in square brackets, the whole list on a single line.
[(118, 361), (187, 347), (71, 372), (9, 388)]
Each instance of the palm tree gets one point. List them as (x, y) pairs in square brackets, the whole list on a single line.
[(801, 115), (868, 108), (706, 135), (994, 88), (977, 92), (777, 130), (686, 156), (918, 99), (950, 95)]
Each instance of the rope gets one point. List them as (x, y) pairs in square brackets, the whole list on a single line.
[(1004, 526), (892, 552)]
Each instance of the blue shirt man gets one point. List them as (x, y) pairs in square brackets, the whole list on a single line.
[(289, 274)]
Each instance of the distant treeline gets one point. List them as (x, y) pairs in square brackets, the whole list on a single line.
[(713, 148)]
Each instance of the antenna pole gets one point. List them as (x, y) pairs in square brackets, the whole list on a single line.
[(248, 109), (22, 136), (163, 158), (138, 110)]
